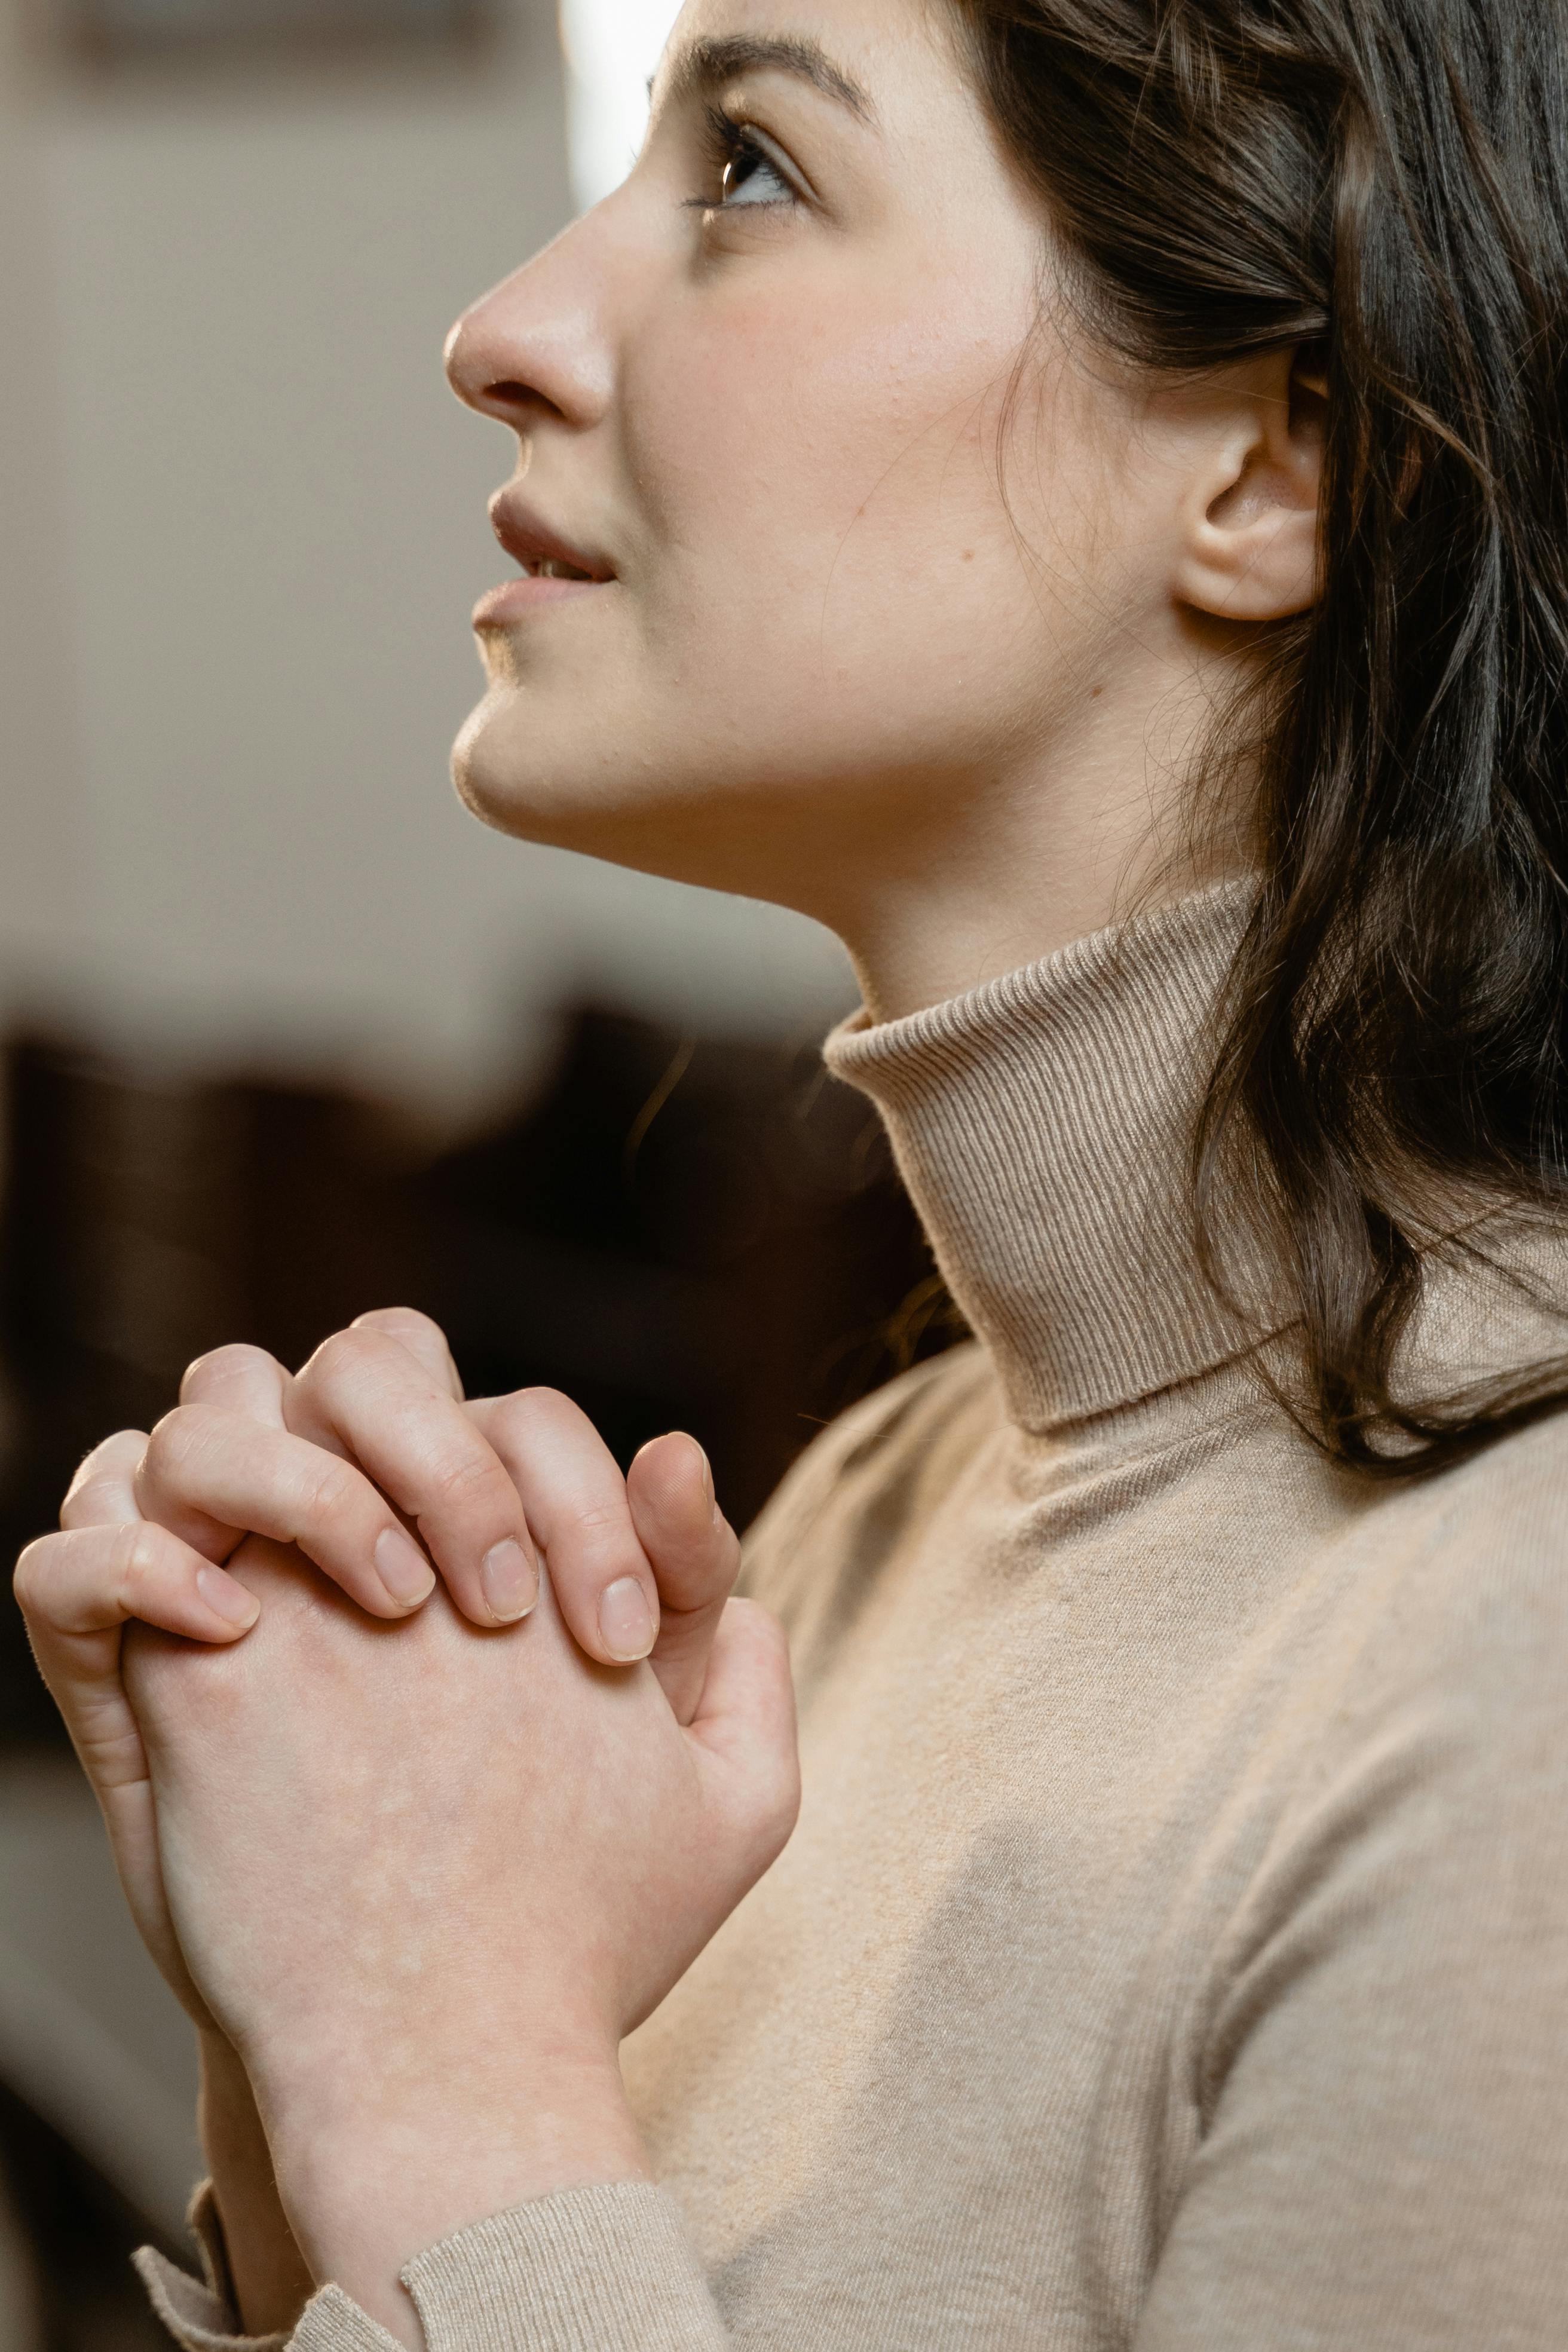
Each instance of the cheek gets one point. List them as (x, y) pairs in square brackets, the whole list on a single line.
[(825, 496)]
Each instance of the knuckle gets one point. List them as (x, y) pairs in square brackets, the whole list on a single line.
[(606, 1516), (607, 1548), (528, 1408), (340, 1351), (138, 1556), (341, 1362), (31, 1576), (544, 1400), (182, 1449), (221, 1363), (111, 1452), (112, 1459), (392, 1322), (333, 1487), (463, 1478), (171, 1443)]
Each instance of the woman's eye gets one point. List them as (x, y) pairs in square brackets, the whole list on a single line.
[(752, 177), (748, 171)]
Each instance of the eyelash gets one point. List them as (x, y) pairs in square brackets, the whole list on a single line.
[(730, 142)]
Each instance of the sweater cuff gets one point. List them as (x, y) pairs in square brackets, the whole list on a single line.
[(589, 2269), (200, 2314)]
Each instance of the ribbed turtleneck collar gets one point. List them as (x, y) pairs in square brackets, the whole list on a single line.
[(1043, 1125)]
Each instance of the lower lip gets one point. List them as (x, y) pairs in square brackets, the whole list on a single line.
[(515, 599)]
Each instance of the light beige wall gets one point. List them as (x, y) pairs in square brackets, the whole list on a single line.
[(39, 780), (248, 525)]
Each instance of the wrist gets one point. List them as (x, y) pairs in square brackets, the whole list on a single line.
[(372, 2174), (266, 2272)]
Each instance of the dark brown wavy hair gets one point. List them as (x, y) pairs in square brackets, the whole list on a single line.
[(1386, 180)]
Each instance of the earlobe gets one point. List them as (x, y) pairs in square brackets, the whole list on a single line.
[(1265, 571), (1249, 547)]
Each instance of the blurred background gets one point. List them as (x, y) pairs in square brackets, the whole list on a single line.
[(284, 1034)]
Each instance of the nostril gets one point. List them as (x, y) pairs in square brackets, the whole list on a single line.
[(508, 393)]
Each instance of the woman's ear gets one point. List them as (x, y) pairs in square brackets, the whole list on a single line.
[(1249, 547)]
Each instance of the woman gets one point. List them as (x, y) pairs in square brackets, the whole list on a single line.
[(1072, 493)]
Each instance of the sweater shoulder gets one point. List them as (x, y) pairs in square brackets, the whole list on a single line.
[(1437, 1686), (1479, 1561)]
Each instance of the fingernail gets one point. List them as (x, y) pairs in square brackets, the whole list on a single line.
[(403, 1567), (509, 1581), (226, 1597), (625, 1621)]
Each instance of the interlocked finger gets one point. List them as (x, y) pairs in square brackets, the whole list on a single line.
[(211, 1476), (575, 1497), (367, 1396)]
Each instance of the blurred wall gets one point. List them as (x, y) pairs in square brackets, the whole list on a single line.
[(245, 524), (242, 523)]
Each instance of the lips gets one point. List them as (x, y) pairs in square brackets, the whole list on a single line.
[(543, 552)]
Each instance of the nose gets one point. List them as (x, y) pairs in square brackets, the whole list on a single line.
[(537, 344)]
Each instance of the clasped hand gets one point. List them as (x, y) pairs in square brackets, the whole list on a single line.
[(418, 1850)]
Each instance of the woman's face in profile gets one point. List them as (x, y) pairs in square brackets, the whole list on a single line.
[(785, 396)]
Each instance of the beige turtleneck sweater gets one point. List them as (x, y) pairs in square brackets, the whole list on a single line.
[(1173, 1953)]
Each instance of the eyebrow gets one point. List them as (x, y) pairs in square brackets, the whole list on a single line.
[(702, 65)]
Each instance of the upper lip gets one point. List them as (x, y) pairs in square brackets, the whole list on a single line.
[(529, 541)]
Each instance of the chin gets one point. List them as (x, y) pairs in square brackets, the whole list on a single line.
[(474, 765), (612, 783), (561, 789), (504, 778)]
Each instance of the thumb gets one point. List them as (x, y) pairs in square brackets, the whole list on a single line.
[(745, 1727), (694, 1555)]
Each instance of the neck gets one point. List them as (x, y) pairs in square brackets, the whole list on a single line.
[(934, 934), (1018, 865)]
